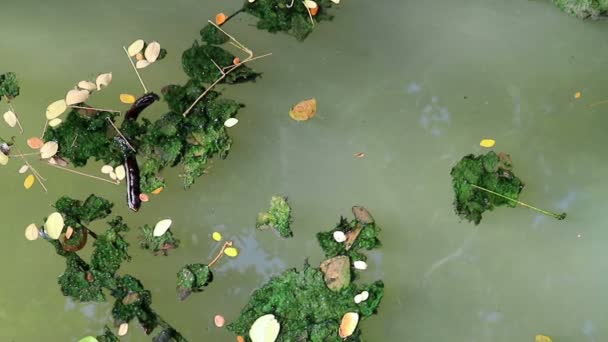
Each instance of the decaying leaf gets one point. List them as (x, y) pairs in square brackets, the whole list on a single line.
[(161, 227), (304, 110), (35, 143), (231, 252), (10, 118), (359, 155), (76, 96), (142, 64), (120, 172), (351, 236), (23, 169), (135, 47), (54, 225), (231, 122), (87, 85), (55, 122), (264, 329), (348, 324), (127, 98), (3, 158), (88, 339), (31, 232), (49, 149), (123, 329), (542, 338), (103, 80), (152, 52), (29, 181), (487, 143), (55, 109), (58, 161)]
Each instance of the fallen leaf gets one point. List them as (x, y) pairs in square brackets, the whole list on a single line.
[(161, 227), (487, 143), (364, 295), (88, 339), (241, 338), (140, 56), (310, 4), (103, 80), (23, 169), (359, 155), (10, 118), (231, 122), (360, 265), (52, 161), (87, 85), (339, 236), (112, 175), (335, 1), (144, 197), (348, 324), (68, 232), (231, 252), (106, 169), (130, 298), (123, 329), (135, 47), (76, 96), (152, 52), (220, 18), (216, 236), (35, 143), (314, 11), (55, 109), (304, 110), (49, 149), (219, 321), (264, 329), (236, 61), (3, 158), (127, 98), (142, 64), (577, 95), (29, 181), (158, 190), (54, 225), (31, 232), (55, 122), (120, 172), (542, 338), (58, 161)]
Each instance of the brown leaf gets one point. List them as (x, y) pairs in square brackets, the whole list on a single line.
[(351, 236), (348, 324), (359, 155), (304, 110)]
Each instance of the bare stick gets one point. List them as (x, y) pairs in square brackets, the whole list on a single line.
[(291, 4), (34, 172), (219, 255), (44, 129), (122, 136), (84, 174), (598, 103), (137, 72), (97, 109), (74, 141), (309, 14), (18, 121), (217, 66), (238, 44)]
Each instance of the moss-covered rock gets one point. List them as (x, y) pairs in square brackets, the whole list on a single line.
[(193, 278)]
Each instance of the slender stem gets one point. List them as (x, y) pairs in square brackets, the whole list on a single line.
[(84, 174), (34, 172), (548, 213), (598, 103), (291, 4), (97, 109), (221, 253), (122, 136), (74, 141), (18, 121), (46, 124), (136, 72), (309, 14)]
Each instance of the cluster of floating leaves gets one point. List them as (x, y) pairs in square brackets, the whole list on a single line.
[(117, 173), (145, 54)]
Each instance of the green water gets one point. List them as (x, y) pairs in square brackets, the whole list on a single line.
[(412, 84)]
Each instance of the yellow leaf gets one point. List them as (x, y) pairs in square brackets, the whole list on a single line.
[(54, 225), (55, 122), (127, 98), (542, 338), (31, 232), (577, 95), (55, 109), (487, 143), (10, 118), (29, 181), (216, 236), (231, 252), (3, 159), (304, 110), (157, 190)]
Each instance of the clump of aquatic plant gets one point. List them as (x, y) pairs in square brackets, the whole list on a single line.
[(9, 86), (319, 304), (90, 281), (592, 9), (482, 183), (157, 244), (278, 217)]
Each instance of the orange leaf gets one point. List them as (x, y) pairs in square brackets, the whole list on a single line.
[(158, 191), (236, 61), (314, 11), (144, 197), (220, 18), (35, 143)]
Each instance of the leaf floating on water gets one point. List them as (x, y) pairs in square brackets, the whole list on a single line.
[(3, 158), (216, 236), (158, 190), (542, 338), (339, 236), (113, 175), (487, 143), (87, 85), (56, 108), (10, 118), (76, 96), (264, 329), (231, 122), (161, 227), (58, 161), (103, 80), (120, 172), (54, 225), (123, 329), (127, 98), (29, 181), (144, 198), (49, 149), (152, 52), (335, 1), (231, 252), (577, 95), (360, 265), (310, 4), (219, 321), (31, 232), (304, 110), (35, 143), (142, 64), (135, 47), (220, 18), (139, 56), (241, 338), (348, 324), (106, 169), (359, 155), (55, 122), (23, 169), (68, 232), (88, 339)]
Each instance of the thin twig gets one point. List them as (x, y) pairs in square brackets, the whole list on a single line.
[(217, 66), (309, 14), (219, 255), (291, 4), (137, 72), (84, 174), (34, 172), (122, 136), (598, 103), (74, 141), (18, 121), (240, 45), (44, 129), (98, 109)]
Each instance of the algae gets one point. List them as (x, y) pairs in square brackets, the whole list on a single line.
[(9, 86), (591, 9), (278, 217)]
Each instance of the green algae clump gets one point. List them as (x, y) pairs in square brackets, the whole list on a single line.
[(278, 217), (193, 278), (592, 9), (9, 87), (157, 244)]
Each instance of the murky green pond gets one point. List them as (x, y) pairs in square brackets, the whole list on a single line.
[(412, 84)]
